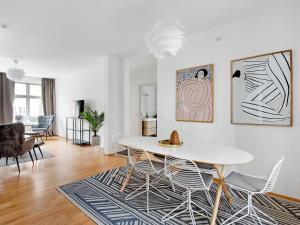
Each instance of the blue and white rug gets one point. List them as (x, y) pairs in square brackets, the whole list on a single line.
[(99, 198)]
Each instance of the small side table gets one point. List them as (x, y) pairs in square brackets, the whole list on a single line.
[(37, 134)]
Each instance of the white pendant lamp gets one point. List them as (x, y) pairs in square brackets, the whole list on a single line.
[(15, 74), (166, 39)]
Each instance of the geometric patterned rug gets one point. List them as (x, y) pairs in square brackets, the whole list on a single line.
[(99, 198), (25, 158)]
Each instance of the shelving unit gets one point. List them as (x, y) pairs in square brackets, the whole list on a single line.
[(79, 128)]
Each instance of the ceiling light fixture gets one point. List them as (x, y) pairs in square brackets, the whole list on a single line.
[(15, 74), (165, 39)]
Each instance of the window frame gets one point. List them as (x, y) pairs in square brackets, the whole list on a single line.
[(28, 96)]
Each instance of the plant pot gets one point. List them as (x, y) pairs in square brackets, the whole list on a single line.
[(95, 140)]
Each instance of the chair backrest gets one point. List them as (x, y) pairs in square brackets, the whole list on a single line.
[(11, 139), (184, 173), (45, 121), (137, 155), (19, 118), (273, 177)]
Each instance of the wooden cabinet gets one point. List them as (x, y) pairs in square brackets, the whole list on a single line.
[(149, 127)]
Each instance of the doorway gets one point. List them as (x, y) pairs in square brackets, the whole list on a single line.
[(148, 97)]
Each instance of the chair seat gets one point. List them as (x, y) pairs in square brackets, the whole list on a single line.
[(184, 179), (39, 129), (38, 144), (145, 166), (205, 166), (245, 182)]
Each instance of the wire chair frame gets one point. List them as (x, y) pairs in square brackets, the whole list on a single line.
[(123, 170), (174, 169), (272, 177), (186, 174), (135, 156), (141, 161), (252, 211)]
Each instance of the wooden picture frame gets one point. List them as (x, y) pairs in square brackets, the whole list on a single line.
[(267, 95), (195, 94)]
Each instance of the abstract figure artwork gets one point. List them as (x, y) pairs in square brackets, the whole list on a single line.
[(194, 89), (262, 89)]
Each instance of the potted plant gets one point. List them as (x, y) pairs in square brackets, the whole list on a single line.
[(96, 122)]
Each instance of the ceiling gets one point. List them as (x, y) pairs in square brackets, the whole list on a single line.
[(56, 37)]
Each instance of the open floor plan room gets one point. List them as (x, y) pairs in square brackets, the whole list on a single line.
[(137, 112)]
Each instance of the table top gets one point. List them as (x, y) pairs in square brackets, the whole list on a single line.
[(33, 132), (200, 150)]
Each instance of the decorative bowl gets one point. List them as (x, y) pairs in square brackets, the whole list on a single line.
[(166, 143)]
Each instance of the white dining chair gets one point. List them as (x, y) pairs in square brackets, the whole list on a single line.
[(125, 169), (252, 185), (142, 162), (186, 174), (208, 168)]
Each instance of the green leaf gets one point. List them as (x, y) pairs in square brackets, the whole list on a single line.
[(94, 118)]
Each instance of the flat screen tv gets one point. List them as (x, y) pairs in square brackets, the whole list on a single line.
[(79, 107)]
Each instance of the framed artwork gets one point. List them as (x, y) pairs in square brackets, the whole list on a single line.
[(195, 94), (262, 89)]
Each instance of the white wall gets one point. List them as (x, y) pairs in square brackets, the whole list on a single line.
[(138, 77), (31, 80), (102, 88), (87, 84), (267, 32), (115, 71)]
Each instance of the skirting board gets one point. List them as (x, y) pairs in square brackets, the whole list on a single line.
[(276, 195)]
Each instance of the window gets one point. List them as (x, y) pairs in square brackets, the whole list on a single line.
[(28, 102)]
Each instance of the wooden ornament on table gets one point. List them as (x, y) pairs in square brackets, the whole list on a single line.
[(174, 138)]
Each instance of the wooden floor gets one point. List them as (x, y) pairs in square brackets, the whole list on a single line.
[(31, 197)]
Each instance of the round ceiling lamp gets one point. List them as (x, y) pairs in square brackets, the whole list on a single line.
[(15, 74), (165, 39)]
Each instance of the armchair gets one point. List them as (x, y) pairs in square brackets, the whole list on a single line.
[(12, 142), (44, 125)]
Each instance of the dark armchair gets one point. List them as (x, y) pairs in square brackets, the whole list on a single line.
[(12, 142), (44, 125)]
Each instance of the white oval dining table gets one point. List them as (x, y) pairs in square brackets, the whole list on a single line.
[(204, 151)]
